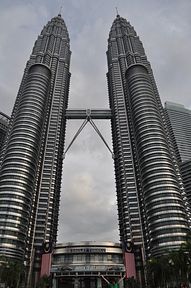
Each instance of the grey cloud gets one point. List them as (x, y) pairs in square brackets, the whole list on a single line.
[(93, 214), (20, 28)]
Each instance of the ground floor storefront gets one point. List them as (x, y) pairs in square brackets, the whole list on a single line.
[(87, 282), (88, 264)]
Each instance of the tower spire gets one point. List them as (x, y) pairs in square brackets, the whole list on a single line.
[(60, 11), (117, 12)]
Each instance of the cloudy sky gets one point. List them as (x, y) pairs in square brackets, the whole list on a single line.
[(88, 208)]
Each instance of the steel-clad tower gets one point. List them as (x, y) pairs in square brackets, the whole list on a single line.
[(178, 119), (31, 169), (151, 209), (4, 122)]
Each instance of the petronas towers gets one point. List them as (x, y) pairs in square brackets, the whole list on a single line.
[(152, 212), (32, 162), (152, 207)]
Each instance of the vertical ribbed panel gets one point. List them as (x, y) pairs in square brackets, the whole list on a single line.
[(179, 123), (167, 225), (120, 54), (53, 49), (186, 176), (19, 166), (4, 122)]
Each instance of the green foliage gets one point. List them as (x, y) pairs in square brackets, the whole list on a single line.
[(44, 282), (113, 285), (171, 269), (11, 272), (131, 283)]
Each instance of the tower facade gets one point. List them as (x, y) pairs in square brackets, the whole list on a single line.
[(179, 122), (30, 175), (151, 209), (178, 119), (4, 122)]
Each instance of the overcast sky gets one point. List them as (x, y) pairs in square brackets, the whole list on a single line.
[(88, 209)]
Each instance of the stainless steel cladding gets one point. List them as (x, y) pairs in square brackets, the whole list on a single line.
[(30, 177), (19, 167), (164, 208), (151, 209)]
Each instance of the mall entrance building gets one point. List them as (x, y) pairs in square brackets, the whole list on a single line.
[(87, 265)]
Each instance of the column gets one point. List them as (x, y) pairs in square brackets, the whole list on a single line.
[(54, 284), (99, 283), (76, 283)]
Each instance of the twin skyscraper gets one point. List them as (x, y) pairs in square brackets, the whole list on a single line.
[(152, 206)]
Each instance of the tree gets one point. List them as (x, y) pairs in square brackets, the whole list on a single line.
[(11, 272), (131, 283), (170, 269), (160, 271), (179, 265), (44, 282)]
